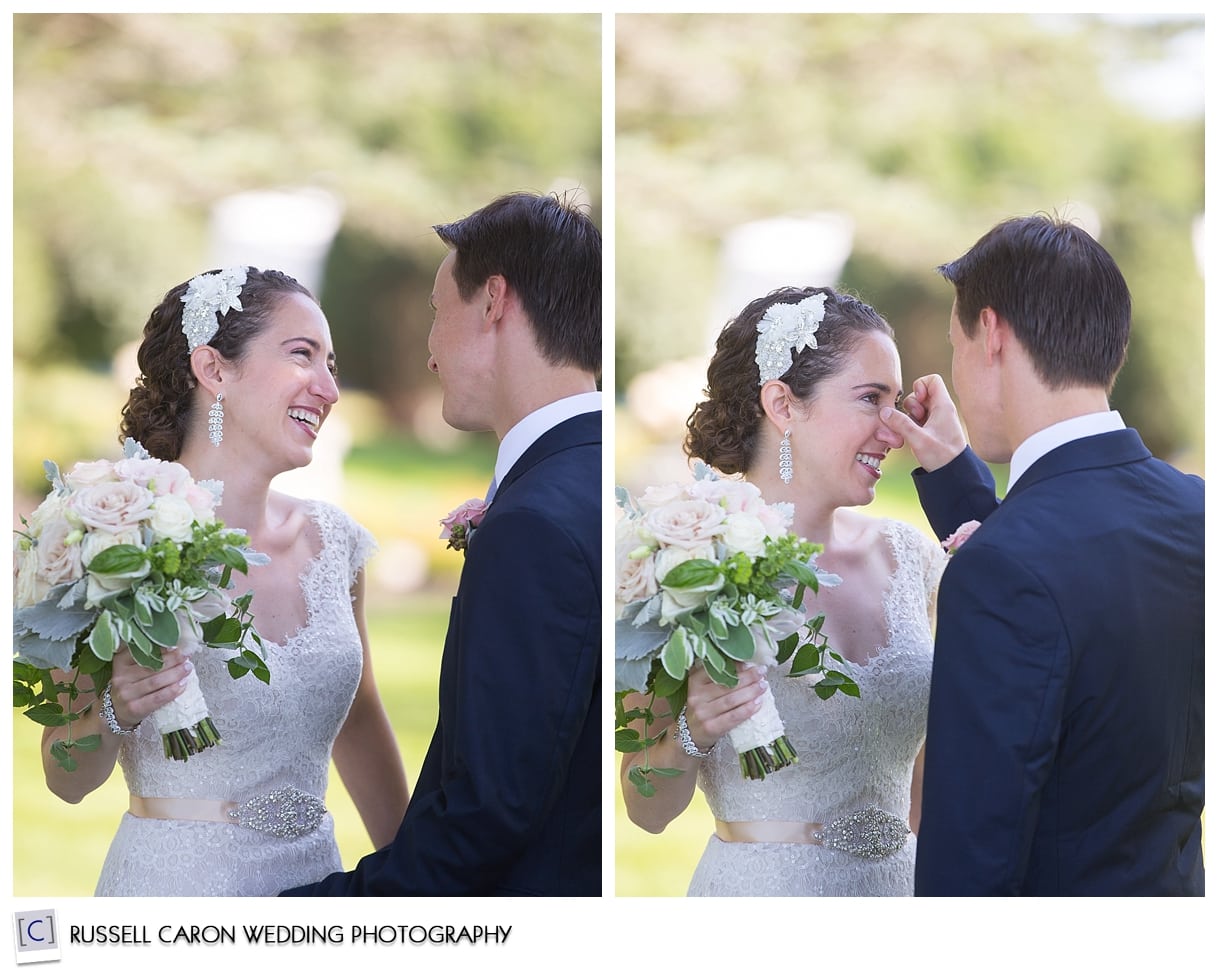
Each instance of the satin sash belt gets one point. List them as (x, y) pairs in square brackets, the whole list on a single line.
[(287, 812), (768, 831), (870, 833), (195, 810)]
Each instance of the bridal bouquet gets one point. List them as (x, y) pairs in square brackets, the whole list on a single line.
[(708, 572), (127, 553)]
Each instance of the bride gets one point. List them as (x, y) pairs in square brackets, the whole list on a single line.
[(237, 378), (838, 822)]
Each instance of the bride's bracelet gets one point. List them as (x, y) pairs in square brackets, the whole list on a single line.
[(687, 740), (107, 713)]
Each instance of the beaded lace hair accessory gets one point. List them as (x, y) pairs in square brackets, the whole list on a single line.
[(784, 328), (209, 296)]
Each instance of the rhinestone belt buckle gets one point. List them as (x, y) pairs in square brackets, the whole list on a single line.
[(286, 812), (870, 833)]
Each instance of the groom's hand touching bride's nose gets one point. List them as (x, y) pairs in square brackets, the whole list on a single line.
[(930, 425)]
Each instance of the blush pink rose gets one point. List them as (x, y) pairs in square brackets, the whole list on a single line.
[(654, 497), (636, 578), (469, 514), (734, 495), (202, 501), (85, 474), (776, 518), (686, 523), (960, 536), (112, 506), (163, 478), (59, 553)]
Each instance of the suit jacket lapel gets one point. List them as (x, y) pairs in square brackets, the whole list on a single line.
[(580, 430), (1095, 451)]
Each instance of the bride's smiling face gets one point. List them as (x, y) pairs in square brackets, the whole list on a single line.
[(286, 385), (839, 442)]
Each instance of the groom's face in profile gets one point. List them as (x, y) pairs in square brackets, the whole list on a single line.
[(972, 383), (456, 347)]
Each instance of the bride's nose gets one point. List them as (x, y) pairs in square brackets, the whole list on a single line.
[(888, 436)]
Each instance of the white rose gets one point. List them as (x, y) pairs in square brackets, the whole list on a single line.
[(673, 603), (172, 518), (626, 534), (211, 605), (672, 556), (50, 509), (780, 626), (112, 506), (101, 586), (744, 533), (676, 602), (29, 587), (97, 540), (686, 523)]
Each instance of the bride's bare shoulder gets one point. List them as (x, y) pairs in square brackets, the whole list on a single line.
[(287, 513), (863, 532)]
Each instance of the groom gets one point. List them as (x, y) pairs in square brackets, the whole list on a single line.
[(508, 801), (1064, 751)]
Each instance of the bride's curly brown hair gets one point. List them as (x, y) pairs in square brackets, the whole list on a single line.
[(160, 407), (723, 430)]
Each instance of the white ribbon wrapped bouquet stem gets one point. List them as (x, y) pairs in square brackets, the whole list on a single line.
[(185, 723)]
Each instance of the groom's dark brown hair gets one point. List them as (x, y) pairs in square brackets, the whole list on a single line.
[(1058, 288), (549, 252)]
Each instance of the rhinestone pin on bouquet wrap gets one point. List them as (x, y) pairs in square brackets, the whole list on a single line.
[(708, 572), (127, 554)]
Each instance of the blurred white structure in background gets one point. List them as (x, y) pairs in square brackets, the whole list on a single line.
[(289, 230), (1085, 216), (790, 251), (281, 229)]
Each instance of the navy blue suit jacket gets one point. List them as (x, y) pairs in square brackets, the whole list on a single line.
[(1065, 738), (508, 801)]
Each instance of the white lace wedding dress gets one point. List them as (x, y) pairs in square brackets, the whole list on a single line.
[(273, 735), (854, 753)]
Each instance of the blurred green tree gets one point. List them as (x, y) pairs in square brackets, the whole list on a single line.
[(128, 128)]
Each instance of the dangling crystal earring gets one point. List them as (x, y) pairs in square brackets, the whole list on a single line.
[(215, 421), (784, 458)]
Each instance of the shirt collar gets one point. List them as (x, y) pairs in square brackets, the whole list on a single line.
[(1041, 443), (532, 426)]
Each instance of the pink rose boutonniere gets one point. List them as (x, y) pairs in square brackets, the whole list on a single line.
[(459, 525), (958, 538)]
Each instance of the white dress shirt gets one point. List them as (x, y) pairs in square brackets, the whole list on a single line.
[(532, 426), (1041, 443)]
